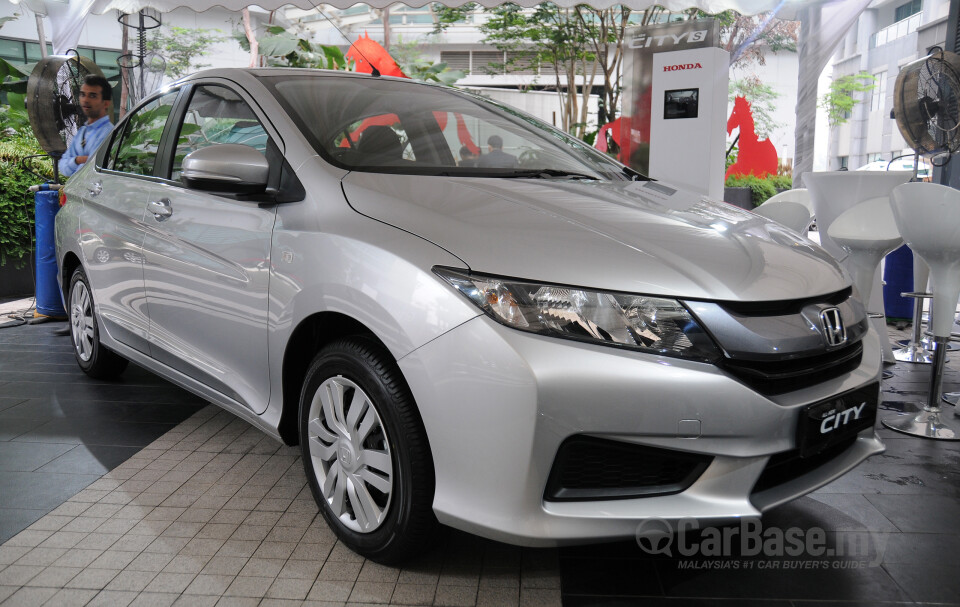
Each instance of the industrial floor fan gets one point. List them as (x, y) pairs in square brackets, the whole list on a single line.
[(926, 104), (52, 101)]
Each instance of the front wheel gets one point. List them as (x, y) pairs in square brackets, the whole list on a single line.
[(365, 451), (95, 360)]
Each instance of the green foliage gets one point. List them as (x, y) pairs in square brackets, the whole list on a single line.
[(13, 78), (16, 205), (445, 16), (760, 189), (282, 48), (548, 35), (411, 62), (762, 98), (732, 157), (840, 101), (13, 117), (181, 46)]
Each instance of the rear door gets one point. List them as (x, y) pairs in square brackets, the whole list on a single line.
[(207, 258), (111, 222)]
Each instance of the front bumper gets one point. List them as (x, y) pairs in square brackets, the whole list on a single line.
[(498, 403)]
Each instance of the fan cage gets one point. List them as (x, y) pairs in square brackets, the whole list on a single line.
[(927, 104)]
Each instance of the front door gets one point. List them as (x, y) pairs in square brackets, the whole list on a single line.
[(207, 262)]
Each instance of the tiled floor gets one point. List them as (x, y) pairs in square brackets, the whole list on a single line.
[(213, 512), (60, 430)]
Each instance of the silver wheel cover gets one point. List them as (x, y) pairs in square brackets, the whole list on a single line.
[(350, 451), (81, 320)]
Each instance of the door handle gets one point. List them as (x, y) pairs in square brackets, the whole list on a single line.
[(95, 188), (161, 209)]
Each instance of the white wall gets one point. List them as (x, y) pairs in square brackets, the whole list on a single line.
[(780, 73), (542, 104)]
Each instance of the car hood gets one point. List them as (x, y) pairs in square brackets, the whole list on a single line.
[(638, 237)]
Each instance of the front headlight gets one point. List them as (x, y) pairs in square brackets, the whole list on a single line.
[(638, 322)]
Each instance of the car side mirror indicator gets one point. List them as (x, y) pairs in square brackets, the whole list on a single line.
[(226, 167)]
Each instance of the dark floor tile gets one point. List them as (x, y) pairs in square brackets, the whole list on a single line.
[(894, 479), (920, 548), (615, 550), (830, 511), (89, 459), (932, 514), (608, 601), (19, 369), (96, 432), (15, 520), (865, 584), (919, 451), (11, 428), (622, 577), (7, 402), (935, 581), (796, 603), (85, 389), (44, 409), (40, 490), (66, 370), (26, 457)]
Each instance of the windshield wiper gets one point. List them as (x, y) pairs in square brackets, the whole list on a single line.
[(548, 173), (636, 175)]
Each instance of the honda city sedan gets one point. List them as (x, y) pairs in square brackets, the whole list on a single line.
[(529, 342)]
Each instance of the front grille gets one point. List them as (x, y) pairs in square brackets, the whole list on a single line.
[(779, 376), (786, 306), (589, 468), (786, 466)]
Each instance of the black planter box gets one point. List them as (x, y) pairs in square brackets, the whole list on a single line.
[(739, 197), (16, 282)]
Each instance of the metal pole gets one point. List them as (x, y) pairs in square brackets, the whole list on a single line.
[(42, 35)]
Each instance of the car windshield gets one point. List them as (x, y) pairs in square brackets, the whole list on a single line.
[(393, 126)]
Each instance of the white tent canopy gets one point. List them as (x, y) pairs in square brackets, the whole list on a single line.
[(746, 7), (823, 25)]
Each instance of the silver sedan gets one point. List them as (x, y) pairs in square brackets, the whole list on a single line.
[(461, 314)]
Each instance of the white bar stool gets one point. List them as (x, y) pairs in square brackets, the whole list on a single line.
[(791, 209), (832, 193), (867, 232), (928, 216)]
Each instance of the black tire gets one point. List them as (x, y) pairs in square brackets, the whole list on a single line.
[(92, 356), (401, 522)]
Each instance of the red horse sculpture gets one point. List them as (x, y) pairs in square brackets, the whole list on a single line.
[(755, 157)]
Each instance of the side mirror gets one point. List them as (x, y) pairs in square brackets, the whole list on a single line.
[(226, 167)]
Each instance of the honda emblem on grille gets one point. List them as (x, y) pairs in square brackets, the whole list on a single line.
[(833, 328)]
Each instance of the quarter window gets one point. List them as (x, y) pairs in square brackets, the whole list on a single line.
[(136, 152), (217, 115)]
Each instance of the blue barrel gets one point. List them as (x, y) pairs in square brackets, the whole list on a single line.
[(898, 278), (46, 205)]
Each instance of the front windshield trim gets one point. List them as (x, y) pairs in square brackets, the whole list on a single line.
[(582, 157)]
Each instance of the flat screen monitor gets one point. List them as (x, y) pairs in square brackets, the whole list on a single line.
[(681, 103)]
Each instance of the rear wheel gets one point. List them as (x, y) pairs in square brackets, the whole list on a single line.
[(365, 451), (95, 360)]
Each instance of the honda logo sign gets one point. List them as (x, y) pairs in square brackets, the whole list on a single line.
[(833, 329)]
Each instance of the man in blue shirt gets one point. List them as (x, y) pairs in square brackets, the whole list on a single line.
[(95, 95)]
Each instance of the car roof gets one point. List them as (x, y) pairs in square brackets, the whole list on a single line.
[(258, 72)]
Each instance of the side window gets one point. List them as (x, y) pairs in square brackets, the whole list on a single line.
[(217, 115), (136, 147)]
